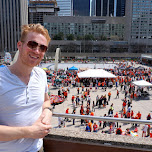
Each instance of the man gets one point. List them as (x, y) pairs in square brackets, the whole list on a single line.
[(25, 106)]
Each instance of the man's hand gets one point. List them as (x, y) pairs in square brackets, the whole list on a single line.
[(39, 129), (47, 115)]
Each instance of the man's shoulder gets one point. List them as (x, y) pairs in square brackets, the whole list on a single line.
[(39, 71), (2, 70)]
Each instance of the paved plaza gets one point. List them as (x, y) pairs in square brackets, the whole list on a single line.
[(144, 106)]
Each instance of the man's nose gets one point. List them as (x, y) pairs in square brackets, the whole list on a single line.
[(37, 49)]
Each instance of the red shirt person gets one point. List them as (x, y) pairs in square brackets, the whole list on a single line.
[(95, 127), (119, 131)]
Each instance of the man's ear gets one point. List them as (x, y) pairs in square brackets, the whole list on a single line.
[(19, 45)]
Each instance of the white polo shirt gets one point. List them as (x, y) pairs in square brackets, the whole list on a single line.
[(21, 105)]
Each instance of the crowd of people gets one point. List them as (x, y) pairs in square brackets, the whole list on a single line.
[(122, 85), (125, 75)]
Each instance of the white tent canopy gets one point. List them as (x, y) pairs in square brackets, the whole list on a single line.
[(142, 83), (96, 73)]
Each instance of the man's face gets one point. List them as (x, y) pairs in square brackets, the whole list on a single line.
[(32, 56)]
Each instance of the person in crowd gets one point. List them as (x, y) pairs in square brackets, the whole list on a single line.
[(24, 91), (61, 122), (127, 132), (145, 127), (67, 112), (88, 129), (73, 119), (72, 99), (104, 122), (90, 125), (92, 114), (93, 106), (149, 116), (117, 95), (95, 127), (116, 116), (109, 95), (97, 100), (119, 131)]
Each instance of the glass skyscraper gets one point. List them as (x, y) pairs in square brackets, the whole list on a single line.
[(77, 7), (110, 8), (66, 7), (120, 7), (81, 8)]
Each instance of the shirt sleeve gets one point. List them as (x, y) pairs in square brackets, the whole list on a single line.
[(46, 85)]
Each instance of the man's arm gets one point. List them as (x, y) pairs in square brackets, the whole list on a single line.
[(46, 113), (37, 130)]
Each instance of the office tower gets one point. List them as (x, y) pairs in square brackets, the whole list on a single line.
[(139, 21), (93, 8), (81, 8), (66, 7), (13, 14), (39, 8), (98, 8), (120, 7), (111, 8)]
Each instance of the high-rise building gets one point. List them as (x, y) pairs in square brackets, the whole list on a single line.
[(139, 21), (13, 14), (120, 7), (92, 7), (76, 7), (81, 8), (39, 8), (66, 7), (110, 8)]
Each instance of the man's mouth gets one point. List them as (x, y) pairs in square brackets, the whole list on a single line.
[(34, 57)]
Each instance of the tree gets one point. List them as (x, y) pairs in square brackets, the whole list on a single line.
[(70, 37), (89, 37), (103, 38), (71, 48), (59, 36), (79, 37)]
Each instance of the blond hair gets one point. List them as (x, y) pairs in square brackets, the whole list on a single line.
[(38, 28)]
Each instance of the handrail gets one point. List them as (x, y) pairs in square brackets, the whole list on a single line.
[(110, 119)]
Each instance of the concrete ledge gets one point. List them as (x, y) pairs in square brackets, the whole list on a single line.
[(101, 139)]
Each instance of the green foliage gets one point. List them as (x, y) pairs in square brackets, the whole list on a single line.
[(89, 37), (79, 37), (59, 36), (70, 37), (103, 38)]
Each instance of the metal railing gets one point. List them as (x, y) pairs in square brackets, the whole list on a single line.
[(109, 119)]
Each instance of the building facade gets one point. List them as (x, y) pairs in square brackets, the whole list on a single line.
[(112, 8), (80, 26), (38, 9), (139, 24), (66, 7), (13, 14)]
